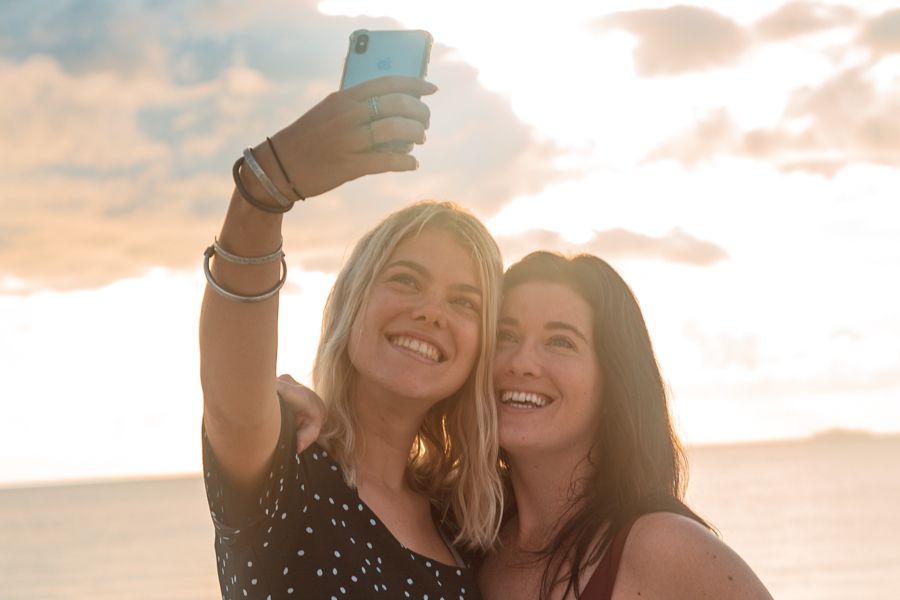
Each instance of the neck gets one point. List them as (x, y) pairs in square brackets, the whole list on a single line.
[(387, 429), (544, 488)]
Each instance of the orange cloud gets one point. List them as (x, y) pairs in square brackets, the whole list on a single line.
[(801, 18), (112, 174), (882, 33), (845, 120), (680, 38)]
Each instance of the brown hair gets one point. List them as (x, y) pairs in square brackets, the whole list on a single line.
[(638, 465)]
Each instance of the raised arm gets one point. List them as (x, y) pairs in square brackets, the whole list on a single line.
[(329, 145)]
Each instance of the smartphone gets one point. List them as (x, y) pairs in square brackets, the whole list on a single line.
[(373, 54), (376, 53)]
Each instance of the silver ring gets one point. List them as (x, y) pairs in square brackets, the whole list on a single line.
[(374, 109)]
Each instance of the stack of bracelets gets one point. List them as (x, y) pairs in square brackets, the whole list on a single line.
[(284, 204)]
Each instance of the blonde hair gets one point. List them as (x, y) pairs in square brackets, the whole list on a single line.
[(453, 460)]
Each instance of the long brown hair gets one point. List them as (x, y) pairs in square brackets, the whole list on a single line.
[(638, 465)]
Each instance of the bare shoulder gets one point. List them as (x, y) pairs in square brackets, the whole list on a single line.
[(669, 556)]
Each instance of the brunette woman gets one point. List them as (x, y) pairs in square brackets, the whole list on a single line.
[(595, 469)]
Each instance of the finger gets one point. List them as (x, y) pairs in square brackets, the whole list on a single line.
[(391, 105), (307, 433), (287, 379), (393, 129), (370, 163), (391, 84)]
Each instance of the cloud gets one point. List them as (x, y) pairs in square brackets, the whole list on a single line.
[(882, 33), (680, 38), (119, 167), (847, 119), (802, 18), (676, 246)]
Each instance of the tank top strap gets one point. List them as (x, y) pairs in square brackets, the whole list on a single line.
[(600, 586)]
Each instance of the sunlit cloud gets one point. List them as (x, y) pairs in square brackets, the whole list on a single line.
[(882, 33), (795, 19), (680, 38), (120, 164)]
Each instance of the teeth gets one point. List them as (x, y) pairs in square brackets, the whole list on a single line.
[(524, 399), (423, 349)]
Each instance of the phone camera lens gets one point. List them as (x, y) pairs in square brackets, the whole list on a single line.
[(362, 43)]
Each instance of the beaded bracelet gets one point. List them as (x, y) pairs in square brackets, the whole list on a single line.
[(211, 250)]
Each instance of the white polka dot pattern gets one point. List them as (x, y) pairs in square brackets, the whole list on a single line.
[(310, 536)]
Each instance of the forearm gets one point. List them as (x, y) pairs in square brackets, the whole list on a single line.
[(238, 341)]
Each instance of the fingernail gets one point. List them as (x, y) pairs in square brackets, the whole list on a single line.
[(431, 86), (417, 162)]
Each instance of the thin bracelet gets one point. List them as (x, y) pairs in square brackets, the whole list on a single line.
[(284, 171), (208, 253), (236, 173), (272, 190), (247, 260)]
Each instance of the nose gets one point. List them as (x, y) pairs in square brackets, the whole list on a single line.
[(520, 360), (431, 310)]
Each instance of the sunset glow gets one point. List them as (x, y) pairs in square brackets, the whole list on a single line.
[(742, 177)]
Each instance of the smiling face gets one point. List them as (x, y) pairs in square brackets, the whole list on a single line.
[(546, 371), (417, 336)]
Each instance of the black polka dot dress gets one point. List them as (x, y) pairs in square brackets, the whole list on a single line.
[(310, 536)]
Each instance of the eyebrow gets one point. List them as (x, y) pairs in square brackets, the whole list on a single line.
[(552, 325), (421, 270)]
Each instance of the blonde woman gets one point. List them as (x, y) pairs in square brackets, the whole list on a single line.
[(404, 469)]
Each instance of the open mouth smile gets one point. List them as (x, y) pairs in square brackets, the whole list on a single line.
[(418, 347), (519, 399)]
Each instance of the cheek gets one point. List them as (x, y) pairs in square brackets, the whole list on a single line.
[(470, 342)]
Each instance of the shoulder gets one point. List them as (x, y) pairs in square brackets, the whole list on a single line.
[(672, 556)]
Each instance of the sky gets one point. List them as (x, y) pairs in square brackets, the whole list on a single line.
[(737, 162)]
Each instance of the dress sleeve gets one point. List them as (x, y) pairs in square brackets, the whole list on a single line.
[(234, 521)]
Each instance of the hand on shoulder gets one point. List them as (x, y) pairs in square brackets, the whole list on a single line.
[(672, 557)]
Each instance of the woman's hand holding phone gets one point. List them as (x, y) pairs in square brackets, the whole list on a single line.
[(338, 140)]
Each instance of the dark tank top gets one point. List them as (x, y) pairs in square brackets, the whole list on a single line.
[(600, 586)]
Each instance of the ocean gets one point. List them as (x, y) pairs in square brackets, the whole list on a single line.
[(817, 520)]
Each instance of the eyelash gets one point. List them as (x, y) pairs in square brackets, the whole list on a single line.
[(405, 279), (505, 336), (562, 341), (466, 303)]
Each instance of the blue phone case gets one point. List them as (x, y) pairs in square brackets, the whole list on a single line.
[(373, 54)]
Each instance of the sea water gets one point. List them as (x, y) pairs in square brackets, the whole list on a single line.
[(816, 520)]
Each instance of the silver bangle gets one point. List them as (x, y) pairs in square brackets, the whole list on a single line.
[(208, 253), (247, 260), (265, 181)]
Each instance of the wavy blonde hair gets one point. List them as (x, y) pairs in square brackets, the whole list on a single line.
[(453, 460)]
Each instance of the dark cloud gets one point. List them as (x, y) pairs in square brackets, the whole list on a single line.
[(801, 18), (680, 38), (847, 119), (676, 246), (882, 33)]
